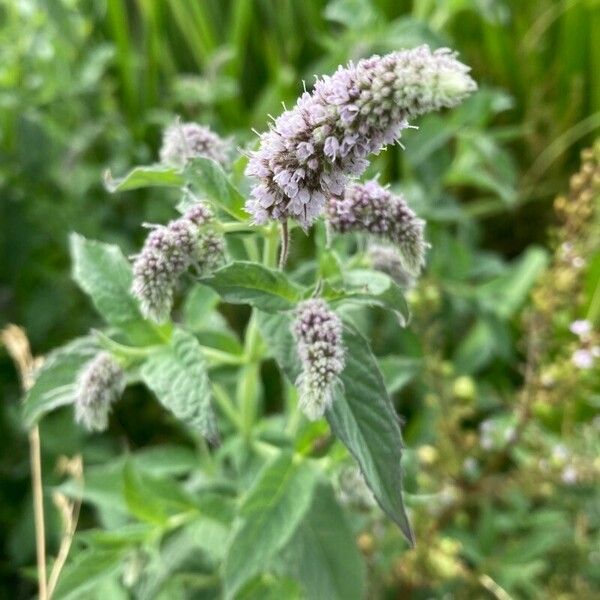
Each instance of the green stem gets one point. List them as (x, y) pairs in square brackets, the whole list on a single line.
[(226, 405), (222, 358), (248, 383)]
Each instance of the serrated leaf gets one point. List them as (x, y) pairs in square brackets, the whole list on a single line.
[(103, 273), (364, 419), (83, 574), (177, 375), (372, 288), (250, 283), (362, 415), (322, 555), (268, 518), (209, 180), (142, 177), (55, 382)]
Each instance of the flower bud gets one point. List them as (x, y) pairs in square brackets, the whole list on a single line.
[(99, 385), (370, 208), (318, 334), (185, 141)]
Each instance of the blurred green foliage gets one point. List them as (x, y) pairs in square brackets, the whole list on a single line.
[(87, 86)]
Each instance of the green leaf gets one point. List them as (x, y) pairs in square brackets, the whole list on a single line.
[(143, 177), (200, 302), (87, 571), (362, 415), (103, 273), (250, 283), (398, 371), (268, 518), (177, 375), (508, 292), (154, 499), (323, 555), (276, 331), (55, 382), (364, 419), (208, 179), (267, 587), (373, 288)]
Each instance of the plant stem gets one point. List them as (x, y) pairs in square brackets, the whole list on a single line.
[(248, 383), (38, 509), (285, 245)]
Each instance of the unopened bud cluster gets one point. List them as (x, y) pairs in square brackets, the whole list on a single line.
[(371, 208), (99, 386), (318, 334), (310, 151), (167, 253), (183, 142)]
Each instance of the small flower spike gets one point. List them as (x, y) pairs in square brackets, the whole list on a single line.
[(185, 141), (310, 151), (167, 253), (99, 386), (371, 208), (318, 334)]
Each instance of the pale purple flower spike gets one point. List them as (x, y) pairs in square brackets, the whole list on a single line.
[(309, 152), (318, 334), (167, 253), (184, 141), (370, 208), (99, 386)]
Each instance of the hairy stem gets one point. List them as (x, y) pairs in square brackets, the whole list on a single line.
[(248, 383), (285, 245)]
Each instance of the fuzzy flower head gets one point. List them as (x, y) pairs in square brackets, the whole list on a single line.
[(167, 253), (370, 208), (318, 334), (310, 151), (185, 141), (99, 385)]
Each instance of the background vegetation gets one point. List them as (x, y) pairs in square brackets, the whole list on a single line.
[(500, 424)]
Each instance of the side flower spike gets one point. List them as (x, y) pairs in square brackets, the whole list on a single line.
[(370, 208), (309, 151), (184, 141), (167, 253), (99, 385), (318, 334)]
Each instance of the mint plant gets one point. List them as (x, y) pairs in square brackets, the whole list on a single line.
[(269, 479)]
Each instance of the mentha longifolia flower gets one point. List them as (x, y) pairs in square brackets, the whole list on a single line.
[(370, 208), (311, 150), (99, 385), (185, 141), (318, 334), (167, 253)]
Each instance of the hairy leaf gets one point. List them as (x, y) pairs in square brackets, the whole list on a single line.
[(208, 179), (142, 177), (362, 415), (323, 555), (268, 518), (249, 283), (55, 382), (103, 273), (177, 375)]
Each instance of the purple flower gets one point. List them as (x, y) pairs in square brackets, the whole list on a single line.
[(371, 208), (355, 112), (167, 253), (99, 385), (387, 259), (318, 334), (185, 141)]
